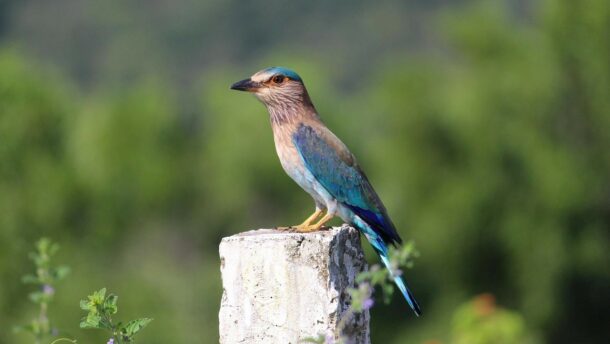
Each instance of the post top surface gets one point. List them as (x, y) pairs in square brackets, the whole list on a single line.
[(275, 234)]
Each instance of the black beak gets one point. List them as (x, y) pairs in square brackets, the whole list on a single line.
[(245, 85)]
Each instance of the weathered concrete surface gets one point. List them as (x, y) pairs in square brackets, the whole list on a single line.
[(281, 287)]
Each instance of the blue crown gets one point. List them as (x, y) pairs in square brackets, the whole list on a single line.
[(292, 75)]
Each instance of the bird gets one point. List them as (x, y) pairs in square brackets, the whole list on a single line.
[(322, 165)]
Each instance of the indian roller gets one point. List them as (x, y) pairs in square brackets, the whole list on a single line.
[(322, 165)]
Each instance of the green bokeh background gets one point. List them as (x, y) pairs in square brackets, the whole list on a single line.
[(484, 126)]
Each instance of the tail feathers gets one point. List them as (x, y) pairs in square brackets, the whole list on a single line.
[(379, 245), (400, 283)]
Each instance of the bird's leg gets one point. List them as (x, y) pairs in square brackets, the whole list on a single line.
[(307, 222), (311, 218), (315, 227)]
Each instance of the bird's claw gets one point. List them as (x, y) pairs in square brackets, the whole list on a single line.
[(302, 229), (307, 227), (289, 229)]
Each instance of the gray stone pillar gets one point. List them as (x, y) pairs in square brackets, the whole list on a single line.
[(281, 287)]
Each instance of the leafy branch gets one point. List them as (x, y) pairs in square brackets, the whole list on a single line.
[(100, 309), (45, 277)]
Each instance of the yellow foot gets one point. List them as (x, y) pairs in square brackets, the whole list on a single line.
[(304, 225), (307, 229), (316, 227), (311, 218)]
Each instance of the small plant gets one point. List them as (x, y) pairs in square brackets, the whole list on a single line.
[(378, 276), (45, 277), (362, 294), (101, 308)]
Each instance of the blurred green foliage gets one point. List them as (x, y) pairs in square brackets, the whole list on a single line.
[(480, 321), (490, 150)]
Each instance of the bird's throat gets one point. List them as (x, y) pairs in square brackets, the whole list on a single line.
[(281, 114)]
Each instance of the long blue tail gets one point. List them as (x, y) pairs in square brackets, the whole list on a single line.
[(382, 250), (406, 292)]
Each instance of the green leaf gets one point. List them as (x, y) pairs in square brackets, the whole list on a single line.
[(97, 298), (92, 320), (38, 297), (135, 326), (83, 323), (43, 244), (110, 304), (388, 290), (379, 277), (84, 305), (363, 276), (60, 272)]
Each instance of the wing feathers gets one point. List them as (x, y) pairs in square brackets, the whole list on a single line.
[(332, 164)]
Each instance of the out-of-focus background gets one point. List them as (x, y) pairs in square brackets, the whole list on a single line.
[(483, 125)]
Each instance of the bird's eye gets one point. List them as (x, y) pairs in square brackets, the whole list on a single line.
[(278, 79)]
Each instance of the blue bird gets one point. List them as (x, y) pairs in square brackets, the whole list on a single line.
[(322, 165)]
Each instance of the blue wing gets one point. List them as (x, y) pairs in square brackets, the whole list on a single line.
[(335, 168)]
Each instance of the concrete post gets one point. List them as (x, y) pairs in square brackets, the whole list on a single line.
[(281, 287)]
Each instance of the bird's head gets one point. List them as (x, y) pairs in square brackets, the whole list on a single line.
[(276, 87)]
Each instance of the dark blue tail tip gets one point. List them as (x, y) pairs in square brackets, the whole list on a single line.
[(413, 303), (417, 310)]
